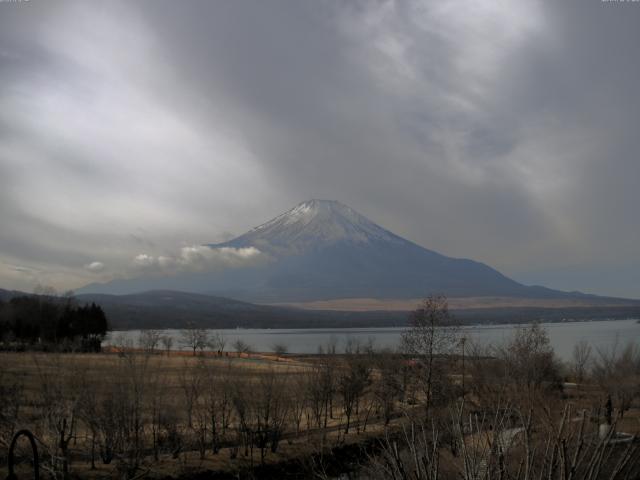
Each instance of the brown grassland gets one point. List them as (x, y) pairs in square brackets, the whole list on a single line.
[(443, 408)]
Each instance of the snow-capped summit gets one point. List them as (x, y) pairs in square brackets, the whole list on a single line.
[(322, 250), (312, 225)]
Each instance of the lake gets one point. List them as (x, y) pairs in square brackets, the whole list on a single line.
[(563, 336)]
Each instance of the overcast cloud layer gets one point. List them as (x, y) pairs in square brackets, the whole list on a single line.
[(502, 131)]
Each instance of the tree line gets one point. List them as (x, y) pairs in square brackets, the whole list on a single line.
[(49, 322)]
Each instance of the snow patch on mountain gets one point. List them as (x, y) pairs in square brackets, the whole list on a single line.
[(312, 225)]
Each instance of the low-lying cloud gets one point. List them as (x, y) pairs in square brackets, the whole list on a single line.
[(95, 266), (199, 258)]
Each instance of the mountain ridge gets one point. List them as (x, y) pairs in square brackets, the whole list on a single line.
[(324, 250), (161, 309)]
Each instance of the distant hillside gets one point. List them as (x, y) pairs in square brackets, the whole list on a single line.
[(172, 309), (6, 295)]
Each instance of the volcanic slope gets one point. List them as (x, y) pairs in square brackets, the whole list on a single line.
[(323, 250)]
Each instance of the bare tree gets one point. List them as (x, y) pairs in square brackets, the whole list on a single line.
[(387, 388), (88, 413), (157, 402), (194, 338), (200, 401), (11, 398), (172, 433), (191, 380), (580, 360), (241, 346), (261, 408), (218, 401), (167, 343), (109, 418), (218, 342), (617, 372), (330, 348), (133, 379), (121, 343), (353, 379), (321, 388), (298, 399), (270, 412), (59, 400), (432, 332), (119, 416), (201, 416), (243, 405), (486, 379), (280, 349), (529, 362), (148, 340), (564, 447)]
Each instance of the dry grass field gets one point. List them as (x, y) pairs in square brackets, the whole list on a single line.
[(174, 404), (135, 414), (456, 303)]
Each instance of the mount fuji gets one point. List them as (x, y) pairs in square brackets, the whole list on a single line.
[(324, 250)]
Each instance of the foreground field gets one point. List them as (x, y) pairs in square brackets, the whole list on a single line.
[(119, 414), (513, 412)]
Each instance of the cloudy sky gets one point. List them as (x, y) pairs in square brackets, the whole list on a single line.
[(503, 131)]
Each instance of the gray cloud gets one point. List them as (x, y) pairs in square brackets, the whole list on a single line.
[(504, 132)]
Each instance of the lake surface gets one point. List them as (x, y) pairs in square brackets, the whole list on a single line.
[(563, 336)]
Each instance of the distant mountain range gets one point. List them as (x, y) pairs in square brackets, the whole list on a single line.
[(323, 250), (171, 309), (325, 265)]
